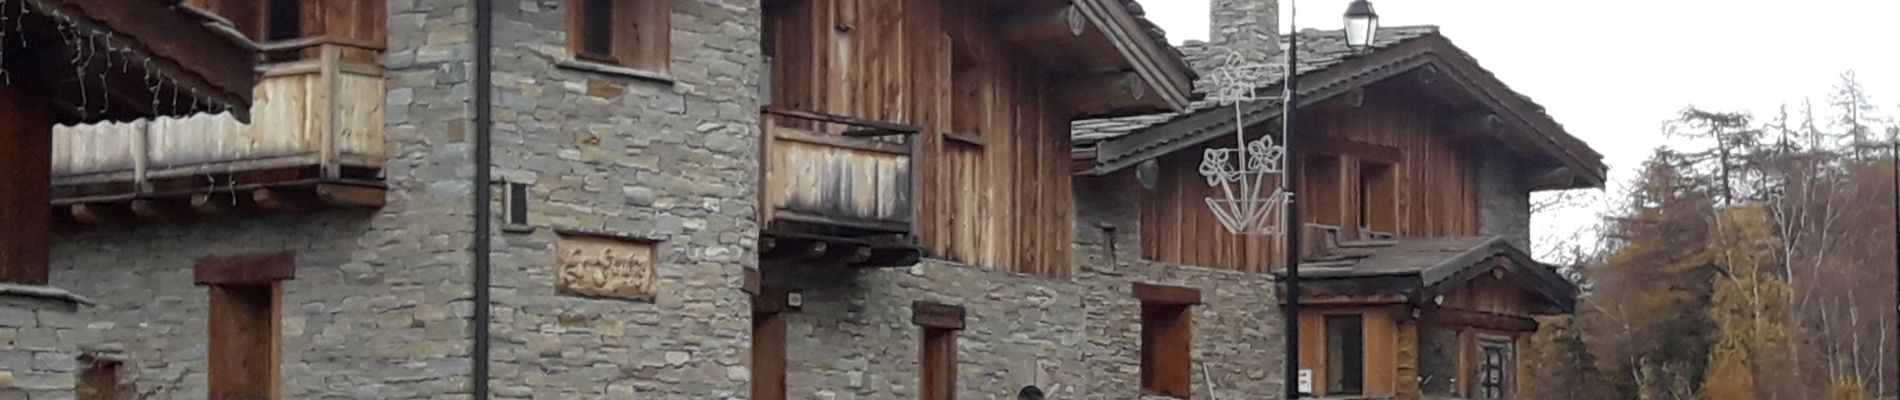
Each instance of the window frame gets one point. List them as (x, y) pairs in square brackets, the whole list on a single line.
[(1337, 374), (1377, 197), (640, 35), (245, 327), (1167, 339), (1507, 370)]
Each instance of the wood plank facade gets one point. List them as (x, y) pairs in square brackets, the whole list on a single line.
[(1386, 167), (987, 166)]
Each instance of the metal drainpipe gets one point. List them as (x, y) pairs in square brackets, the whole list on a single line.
[(479, 244)]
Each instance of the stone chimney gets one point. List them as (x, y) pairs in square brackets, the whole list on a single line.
[(1251, 27)]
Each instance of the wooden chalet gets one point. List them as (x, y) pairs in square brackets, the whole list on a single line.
[(313, 138), (87, 61), (1417, 167), (900, 129)]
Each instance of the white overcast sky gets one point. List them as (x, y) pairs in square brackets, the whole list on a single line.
[(1613, 70)]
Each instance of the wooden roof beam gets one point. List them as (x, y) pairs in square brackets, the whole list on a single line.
[(1043, 27), (1094, 94), (1473, 126)]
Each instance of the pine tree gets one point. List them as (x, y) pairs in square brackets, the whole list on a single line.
[(1856, 110)]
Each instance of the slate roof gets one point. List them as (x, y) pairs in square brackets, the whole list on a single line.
[(1318, 50), (1117, 143), (1434, 262)]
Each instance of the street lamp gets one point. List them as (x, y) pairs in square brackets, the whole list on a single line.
[(1362, 25)]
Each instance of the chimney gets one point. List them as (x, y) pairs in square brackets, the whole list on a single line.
[(1251, 27)]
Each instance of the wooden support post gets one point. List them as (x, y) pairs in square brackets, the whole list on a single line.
[(767, 244), (351, 196), (161, 211), (271, 199), (103, 213), (213, 204), (26, 151), (814, 250), (859, 254)]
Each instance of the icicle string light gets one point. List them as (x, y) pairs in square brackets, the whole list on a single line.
[(88, 45)]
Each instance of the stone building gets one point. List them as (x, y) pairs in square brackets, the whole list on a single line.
[(690, 199)]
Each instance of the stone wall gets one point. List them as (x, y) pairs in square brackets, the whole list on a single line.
[(38, 358), (1077, 338), (1251, 27), (380, 306), (662, 158), (1504, 204)]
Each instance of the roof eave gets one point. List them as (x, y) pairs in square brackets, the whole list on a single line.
[(1167, 75)]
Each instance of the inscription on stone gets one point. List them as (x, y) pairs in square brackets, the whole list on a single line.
[(595, 266)]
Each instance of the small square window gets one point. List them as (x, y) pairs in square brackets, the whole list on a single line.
[(627, 33)]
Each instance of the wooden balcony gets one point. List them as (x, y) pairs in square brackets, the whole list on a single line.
[(315, 140), (838, 190)]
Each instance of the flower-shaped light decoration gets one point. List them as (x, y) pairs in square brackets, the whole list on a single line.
[(1248, 203)]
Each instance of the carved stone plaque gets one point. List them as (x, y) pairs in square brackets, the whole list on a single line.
[(596, 266)]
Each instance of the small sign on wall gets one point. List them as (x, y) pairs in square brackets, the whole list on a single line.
[(1306, 380), (607, 267)]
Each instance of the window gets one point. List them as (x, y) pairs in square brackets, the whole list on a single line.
[(246, 298), (628, 33), (98, 378), (1345, 354), (1167, 339), (283, 20), (1495, 363), (938, 357), (1378, 200), (1325, 190)]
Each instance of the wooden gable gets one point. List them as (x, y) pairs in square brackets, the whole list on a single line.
[(940, 120)]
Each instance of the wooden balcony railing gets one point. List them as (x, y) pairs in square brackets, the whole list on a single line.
[(316, 129), (843, 185)]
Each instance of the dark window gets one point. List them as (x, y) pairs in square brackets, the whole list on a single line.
[(1494, 381), (596, 30), (99, 380), (631, 33), (285, 20), (1167, 343), (1345, 354)]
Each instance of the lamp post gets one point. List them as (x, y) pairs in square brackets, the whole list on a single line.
[(1361, 26)]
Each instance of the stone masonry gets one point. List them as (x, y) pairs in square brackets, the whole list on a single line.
[(1076, 338), (1251, 27), (380, 306), (668, 157), (1504, 204), (39, 359)]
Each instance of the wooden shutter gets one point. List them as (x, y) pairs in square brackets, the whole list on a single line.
[(939, 364), (245, 341), (768, 344), (1167, 344)]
